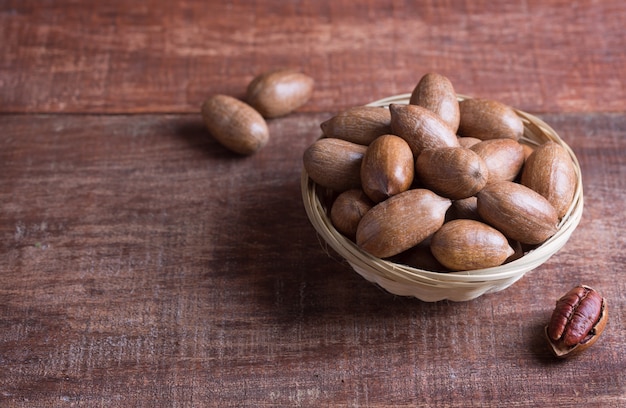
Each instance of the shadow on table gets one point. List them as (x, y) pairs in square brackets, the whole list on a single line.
[(195, 134), (266, 251), (298, 275), (540, 349), (279, 282)]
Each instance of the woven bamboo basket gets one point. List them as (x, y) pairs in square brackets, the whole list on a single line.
[(432, 286)]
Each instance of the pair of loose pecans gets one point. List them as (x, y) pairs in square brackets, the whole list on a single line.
[(449, 175), (240, 126)]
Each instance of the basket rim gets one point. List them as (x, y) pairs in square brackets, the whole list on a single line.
[(536, 131)]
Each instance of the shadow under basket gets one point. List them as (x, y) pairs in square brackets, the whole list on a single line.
[(432, 286)]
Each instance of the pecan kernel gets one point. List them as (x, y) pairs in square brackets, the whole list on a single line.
[(575, 315), (577, 320)]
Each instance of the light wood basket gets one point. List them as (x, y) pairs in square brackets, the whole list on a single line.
[(432, 286)]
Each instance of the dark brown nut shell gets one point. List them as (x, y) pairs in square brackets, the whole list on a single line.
[(420, 257), (452, 172), (387, 168), (401, 222), (465, 208), (463, 245), (504, 158), (518, 212), (421, 128), (488, 119), (361, 124), (234, 124), (518, 251), (436, 93), (550, 171), (334, 163), (279, 92), (578, 320), (348, 209)]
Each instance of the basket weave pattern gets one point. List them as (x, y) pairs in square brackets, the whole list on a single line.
[(431, 286)]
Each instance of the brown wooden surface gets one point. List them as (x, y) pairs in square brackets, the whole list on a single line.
[(145, 265)]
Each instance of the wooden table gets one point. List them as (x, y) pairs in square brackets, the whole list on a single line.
[(144, 265)]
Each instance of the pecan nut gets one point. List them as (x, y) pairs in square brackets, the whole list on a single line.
[(577, 321)]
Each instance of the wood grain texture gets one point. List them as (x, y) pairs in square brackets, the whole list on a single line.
[(145, 265), (167, 56)]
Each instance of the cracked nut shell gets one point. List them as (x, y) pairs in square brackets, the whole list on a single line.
[(577, 321)]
